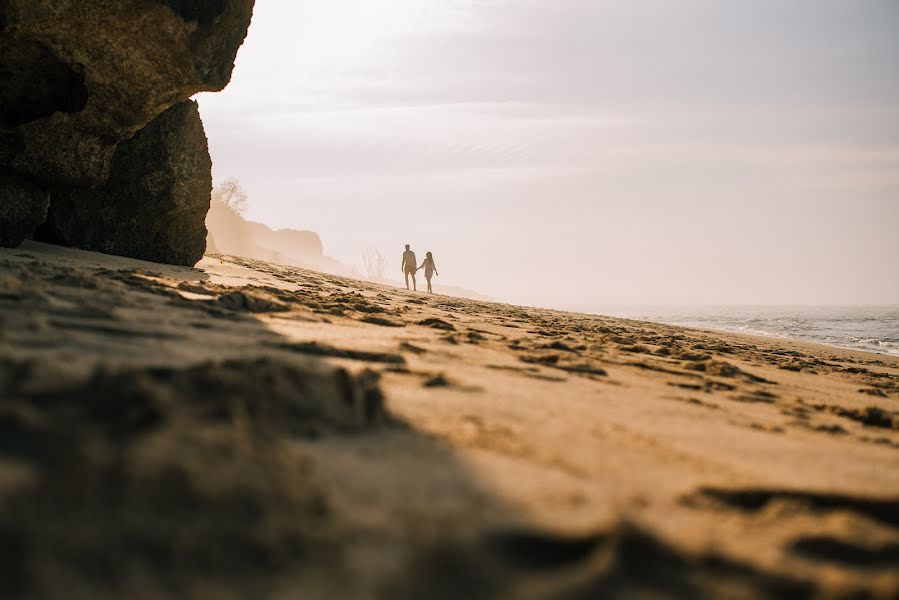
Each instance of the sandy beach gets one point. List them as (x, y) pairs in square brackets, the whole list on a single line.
[(242, 429)]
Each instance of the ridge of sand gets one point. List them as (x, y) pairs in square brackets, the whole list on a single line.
[(243, 429)]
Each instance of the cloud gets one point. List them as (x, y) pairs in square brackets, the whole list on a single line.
[(636, 131)]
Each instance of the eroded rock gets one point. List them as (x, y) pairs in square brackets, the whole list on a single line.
[(155, 202), (78, 79)]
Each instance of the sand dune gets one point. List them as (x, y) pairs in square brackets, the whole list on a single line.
[(244, 429)]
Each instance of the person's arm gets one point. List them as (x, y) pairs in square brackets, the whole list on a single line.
[(403, 264)]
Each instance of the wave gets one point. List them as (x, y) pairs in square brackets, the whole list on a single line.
[(872, 329)]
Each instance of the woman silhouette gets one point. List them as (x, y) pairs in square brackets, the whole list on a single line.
[(430, 270)]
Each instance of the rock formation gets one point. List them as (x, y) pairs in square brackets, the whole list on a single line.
[(77, 79), (155, 202), (23, 206), (289, 242), (234, 235)]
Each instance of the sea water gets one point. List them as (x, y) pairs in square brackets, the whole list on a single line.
[(869, 328)]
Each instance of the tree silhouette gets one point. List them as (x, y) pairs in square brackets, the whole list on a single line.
[(231, 194), (374, 263)]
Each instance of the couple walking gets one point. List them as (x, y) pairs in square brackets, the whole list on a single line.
[(409, 268)]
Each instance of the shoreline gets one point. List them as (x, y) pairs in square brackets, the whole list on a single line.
[(748, 330), (774, 336)]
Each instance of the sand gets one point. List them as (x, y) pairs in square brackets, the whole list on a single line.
[(245, 430)]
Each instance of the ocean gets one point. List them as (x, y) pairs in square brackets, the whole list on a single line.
[(869, 328)]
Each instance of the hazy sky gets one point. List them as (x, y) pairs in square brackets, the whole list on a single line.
[(581, 153)]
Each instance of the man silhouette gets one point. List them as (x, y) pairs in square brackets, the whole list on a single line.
[(408, 267)]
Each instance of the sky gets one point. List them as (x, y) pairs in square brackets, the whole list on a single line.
[(581, 154)]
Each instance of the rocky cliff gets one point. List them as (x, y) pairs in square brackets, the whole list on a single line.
[(230, 233), (79, 79)]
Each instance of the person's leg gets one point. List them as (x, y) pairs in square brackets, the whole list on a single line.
[(414, 284), (430, 290), (407, 279)]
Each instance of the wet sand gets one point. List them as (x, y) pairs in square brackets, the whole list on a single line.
[(245, 430)]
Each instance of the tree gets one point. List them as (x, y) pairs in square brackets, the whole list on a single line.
[(374, 263), (231, 194)]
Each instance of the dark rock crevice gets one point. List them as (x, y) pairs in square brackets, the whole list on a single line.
[(203, 12), (23, 206), (34, 84)]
